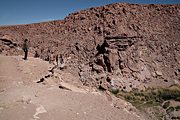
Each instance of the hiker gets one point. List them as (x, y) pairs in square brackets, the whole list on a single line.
[(36, 55), (25, 48), (51, 57), (57, 59), (60, 61)]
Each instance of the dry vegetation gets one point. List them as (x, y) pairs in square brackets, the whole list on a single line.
[(159, 99)]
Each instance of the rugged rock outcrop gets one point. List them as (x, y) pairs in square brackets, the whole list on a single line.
[(119, 45)]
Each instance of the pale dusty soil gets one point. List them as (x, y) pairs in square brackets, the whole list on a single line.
[(21, 98)]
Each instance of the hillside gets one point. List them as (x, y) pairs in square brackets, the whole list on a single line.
[(112, 53), (124, 46)]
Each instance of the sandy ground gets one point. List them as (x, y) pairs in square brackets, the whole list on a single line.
[(21, 98)]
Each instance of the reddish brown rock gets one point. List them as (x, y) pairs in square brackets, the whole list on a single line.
[(128, 41)]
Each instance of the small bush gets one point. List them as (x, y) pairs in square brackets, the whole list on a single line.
[(177, 99), (166, 105), (170, 109), (169, 93), (152, 96), (175, 118), (177, 108), (114, 91)]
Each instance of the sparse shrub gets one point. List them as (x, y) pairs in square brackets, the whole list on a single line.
[(177, 108), (170, 109), (177, 99), (152, 96), (175, 118), (128, 97), (169, 93), (166, 104), (137, 93), (143, 99), (114, 90)]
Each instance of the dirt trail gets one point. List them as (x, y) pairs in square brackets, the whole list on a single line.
[(21, 98)]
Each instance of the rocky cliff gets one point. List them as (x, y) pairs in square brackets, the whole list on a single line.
[(122, 46)]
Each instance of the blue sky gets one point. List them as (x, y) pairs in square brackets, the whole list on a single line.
[(31, 11)]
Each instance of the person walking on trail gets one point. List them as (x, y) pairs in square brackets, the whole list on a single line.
[(59, 61), (51, 57), (25, 48)]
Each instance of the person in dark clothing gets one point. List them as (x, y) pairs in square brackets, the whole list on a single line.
[(25, 49)]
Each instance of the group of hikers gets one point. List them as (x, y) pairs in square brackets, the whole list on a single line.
[(52, 58)]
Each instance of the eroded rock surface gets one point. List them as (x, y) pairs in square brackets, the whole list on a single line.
[(137, 46)]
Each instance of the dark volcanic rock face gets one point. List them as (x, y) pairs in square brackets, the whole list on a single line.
[(120, 45)]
